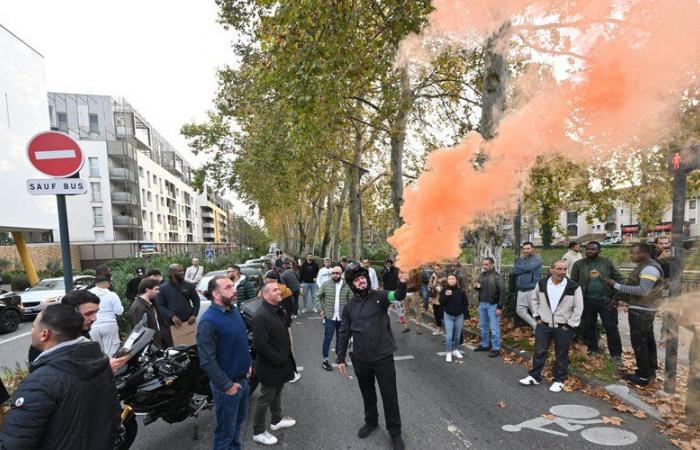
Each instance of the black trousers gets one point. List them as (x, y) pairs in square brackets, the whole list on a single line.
[(592, 308), (643, 343), (437, 312), (295, 299), (544, 335), (288, 305), (384, 372)]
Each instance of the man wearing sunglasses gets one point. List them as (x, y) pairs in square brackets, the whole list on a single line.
[(332, 297)]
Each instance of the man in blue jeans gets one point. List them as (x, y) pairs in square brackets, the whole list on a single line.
[(308, 272), (492, 293), (332, 297), (224, 355)]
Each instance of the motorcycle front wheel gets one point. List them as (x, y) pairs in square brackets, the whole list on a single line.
[(127, 433)]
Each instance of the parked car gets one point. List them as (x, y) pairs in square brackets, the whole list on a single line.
[(253, 274), (10, 312), (266, 263), (47, 292)]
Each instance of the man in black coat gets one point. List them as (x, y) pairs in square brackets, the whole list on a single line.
[(132, 287), (68, 400), (390, 276), (365, 319), (177, 302), (274, 363)]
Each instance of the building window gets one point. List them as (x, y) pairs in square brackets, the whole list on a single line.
[(692, 220), (160, 220), (162, 201), (693, 204), (96, 189), (143, 214), (143, 195), (151, 215), (571, 217), (155, 179), (149, 196), (62, 121), (94, 167), (94, 123), (622, 211), (140, 172), (148, 178), (98, 219)]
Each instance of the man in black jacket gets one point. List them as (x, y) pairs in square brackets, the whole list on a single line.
[(68, 400), (308, 272), (144, 304), (132, 287), (274, 363), (492, 294), (365, 319), (390, 276), (177, 302)]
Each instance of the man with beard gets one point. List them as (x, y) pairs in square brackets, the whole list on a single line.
[(177, 301), (222, 344), (365, 319)]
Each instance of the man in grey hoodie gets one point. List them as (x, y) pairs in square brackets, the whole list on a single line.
[(527, 271)]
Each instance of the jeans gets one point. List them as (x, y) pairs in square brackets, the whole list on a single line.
[(437, 312), (230, 411), (424, 294), (453, 328), (544, 335), (270, 397), (489, 321), (330, 327), (309, 289), (643, 343), (384, 372), (591, 309), (524, 307)]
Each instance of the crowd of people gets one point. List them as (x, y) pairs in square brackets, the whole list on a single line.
[(74, 351)]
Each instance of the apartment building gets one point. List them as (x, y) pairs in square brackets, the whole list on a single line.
[(215, 212), (139, 185)]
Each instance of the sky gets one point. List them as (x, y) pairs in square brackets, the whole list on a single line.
[(160, 55)]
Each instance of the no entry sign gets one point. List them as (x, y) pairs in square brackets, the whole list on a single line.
[(55, 154)]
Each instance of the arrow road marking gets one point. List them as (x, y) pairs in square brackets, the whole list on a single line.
[(54, 154)]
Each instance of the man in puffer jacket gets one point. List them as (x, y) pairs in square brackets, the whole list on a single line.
[(68, 400)]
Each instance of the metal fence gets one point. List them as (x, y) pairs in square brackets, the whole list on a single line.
[(92, 255)]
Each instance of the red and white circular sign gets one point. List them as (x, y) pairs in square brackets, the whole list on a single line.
[(55, 154)]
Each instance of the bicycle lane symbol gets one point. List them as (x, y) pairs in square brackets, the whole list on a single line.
[(573, 418)]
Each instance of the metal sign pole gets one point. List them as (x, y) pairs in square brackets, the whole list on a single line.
[(65, 242)]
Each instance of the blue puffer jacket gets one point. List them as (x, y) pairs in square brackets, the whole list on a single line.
[(527, 272)]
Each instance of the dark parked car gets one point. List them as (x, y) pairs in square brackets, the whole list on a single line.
[(10, 312)]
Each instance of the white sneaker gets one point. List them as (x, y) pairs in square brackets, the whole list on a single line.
[(436, 332), (457, 354), (529, 381), (293, 317), (315, 310), (556, 386), (303, 311), (448, 357), (297, 377), (265, 438), (287, 422)]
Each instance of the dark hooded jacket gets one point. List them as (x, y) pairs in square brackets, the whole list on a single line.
[(68, 401)]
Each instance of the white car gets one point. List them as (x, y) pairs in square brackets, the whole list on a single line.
[(48, 292)]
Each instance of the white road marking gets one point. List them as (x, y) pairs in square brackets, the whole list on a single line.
[(15, 337), (300, 368), (404, 358), (54, 154), (314, 318)]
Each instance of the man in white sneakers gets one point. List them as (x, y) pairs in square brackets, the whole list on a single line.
[(557, 305)]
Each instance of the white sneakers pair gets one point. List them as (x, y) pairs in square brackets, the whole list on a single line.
[(557, 386), (437, 332), (268, 438), (456, 353), (297, 377)]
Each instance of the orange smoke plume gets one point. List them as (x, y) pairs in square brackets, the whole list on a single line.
[(637, 58)]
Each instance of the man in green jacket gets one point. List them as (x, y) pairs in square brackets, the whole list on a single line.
[(598, 299), (332, 297), (245, 290)]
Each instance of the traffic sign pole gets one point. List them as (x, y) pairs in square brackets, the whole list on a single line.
[(65, 242)]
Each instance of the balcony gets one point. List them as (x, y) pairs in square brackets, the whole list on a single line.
[(207, 215), (125, 222), (208, 235), (208, 226), (124, 198)]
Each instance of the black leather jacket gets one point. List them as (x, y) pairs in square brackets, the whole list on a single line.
[(365, 318)]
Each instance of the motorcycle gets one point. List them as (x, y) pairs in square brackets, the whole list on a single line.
[(165, 384)]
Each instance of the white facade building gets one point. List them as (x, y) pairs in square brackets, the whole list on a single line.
[(23, 113), (138, 184)]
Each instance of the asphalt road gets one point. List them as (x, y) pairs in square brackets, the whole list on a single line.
[(443, 406), (14, 346)]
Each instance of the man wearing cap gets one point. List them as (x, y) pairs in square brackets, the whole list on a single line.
[(365, 319)]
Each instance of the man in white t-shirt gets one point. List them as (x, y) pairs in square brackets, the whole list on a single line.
[(195, 272), (373, 280), (105, 330), (324, 274)]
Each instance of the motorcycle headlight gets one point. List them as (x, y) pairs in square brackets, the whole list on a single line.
[(52, 300)]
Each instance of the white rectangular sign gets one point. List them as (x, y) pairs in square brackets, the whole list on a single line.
[(54, 186)]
